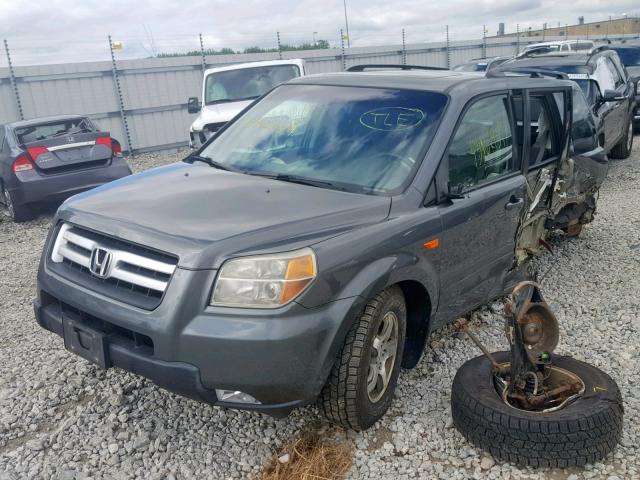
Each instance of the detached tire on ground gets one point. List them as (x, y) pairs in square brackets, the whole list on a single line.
[(363, 379), (582, 432)]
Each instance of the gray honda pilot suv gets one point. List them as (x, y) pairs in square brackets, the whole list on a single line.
[(308, 249)]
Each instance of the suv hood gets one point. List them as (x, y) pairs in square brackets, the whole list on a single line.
[(218, 113), (205, 215)]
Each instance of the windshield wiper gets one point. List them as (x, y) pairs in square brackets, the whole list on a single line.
[(208, 161), (231, 100), (285, 177)]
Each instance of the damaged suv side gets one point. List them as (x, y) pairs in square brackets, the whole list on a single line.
[(307, 250)]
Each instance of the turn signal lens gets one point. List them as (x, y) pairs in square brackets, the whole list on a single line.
[(264, 281)]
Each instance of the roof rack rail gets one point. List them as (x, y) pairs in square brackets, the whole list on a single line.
[(528, 72), (362, 68), (598, 49)]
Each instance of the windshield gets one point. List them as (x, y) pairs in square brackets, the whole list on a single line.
[(367, 140), (579, 74), (246, 83), (33, 133), (630, 56), (471, 67)]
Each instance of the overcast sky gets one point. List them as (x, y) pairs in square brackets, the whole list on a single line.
[(58, 31)]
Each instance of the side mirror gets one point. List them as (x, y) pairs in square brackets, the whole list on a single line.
[(193, 105), (612, 96), (636, 88), (455, 192)]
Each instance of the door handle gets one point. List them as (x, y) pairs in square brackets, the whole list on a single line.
[(514, 202)]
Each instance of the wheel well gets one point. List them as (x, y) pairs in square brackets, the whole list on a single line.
[(418, 315)]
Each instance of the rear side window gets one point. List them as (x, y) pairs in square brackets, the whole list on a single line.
[(482, 148), (2, 135)]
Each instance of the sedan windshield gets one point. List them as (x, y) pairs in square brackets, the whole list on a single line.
[(367, 140), (246, 83), (471, 67)]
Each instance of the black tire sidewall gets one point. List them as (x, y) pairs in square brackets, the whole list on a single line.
[(369, 412), (582, 432)]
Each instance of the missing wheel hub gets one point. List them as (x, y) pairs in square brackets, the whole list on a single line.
[(548, 390)]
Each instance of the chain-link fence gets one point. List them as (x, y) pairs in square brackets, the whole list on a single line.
[(138, 89)]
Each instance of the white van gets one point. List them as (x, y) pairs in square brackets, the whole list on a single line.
[(228, 90)]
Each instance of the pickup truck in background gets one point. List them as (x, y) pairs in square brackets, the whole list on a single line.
[(226, 91)]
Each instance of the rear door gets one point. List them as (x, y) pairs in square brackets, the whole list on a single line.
[(479, 228), (67, 145)]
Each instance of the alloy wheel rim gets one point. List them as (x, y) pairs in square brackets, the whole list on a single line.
[(383, 357), (8, 204)]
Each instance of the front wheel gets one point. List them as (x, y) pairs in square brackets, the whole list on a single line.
[(623, 149), (363, 379)]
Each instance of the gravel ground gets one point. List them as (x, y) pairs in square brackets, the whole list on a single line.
[(62, 418)]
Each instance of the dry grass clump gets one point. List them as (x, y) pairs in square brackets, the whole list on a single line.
[(310, 457)]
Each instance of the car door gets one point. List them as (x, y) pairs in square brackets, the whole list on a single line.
[(609, 112), (480, 224), (620, 108)]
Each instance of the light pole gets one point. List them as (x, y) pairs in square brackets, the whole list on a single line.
[(346, 23)]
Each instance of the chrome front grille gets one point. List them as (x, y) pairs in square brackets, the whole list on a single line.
[(119, 269)]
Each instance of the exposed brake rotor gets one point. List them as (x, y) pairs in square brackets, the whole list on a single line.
[(530, 381)]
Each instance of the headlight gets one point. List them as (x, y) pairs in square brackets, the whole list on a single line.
[(264, 281)]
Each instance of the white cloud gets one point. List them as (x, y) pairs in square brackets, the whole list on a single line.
[(61, 31)]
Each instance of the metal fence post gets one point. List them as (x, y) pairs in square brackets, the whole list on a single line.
[(279, 46), (448, 49), (404, 49), (484, 41), (12, 79), (344, 60), (518, 38), (204, 58), (116, 81)]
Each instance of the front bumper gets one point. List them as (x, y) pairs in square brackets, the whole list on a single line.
[(281, 358), (32, 187)]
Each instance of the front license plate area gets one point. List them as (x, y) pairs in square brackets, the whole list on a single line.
[(85, 342)]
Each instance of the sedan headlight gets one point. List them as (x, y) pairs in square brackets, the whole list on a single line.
[(264, 281)]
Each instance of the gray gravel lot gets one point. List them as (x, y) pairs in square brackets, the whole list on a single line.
[(62, 418)]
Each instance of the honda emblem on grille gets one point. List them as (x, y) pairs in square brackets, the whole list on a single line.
[(100, 263), (70, 139)]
